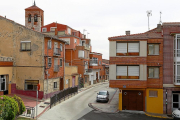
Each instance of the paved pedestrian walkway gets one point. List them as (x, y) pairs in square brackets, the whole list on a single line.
[(44, 105)]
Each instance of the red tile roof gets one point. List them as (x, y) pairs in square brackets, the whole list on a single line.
[(33, 7), (154, 33)]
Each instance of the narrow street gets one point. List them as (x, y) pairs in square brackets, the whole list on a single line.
[(77, 106)]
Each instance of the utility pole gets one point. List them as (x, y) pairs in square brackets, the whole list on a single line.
[(149, 13)]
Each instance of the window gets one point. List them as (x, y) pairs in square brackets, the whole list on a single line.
[(25, 45), (49, 61), (153, 49), (75, 40), (127, 72), (55, 84), (29, 18), (99, 62), (35, 18), (69, 31), (44, 29), (53, 28), (49, 44), (153, 72), (153, 93), (61, 47), (127, 49), (31, 84), (60, 62), (80, 54)]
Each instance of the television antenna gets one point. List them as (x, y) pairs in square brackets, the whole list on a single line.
[(149, 13), (160, 18)]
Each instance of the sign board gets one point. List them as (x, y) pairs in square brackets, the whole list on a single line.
[(38, 87), (124, 86)]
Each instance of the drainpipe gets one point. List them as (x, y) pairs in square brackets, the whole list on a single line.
[(71, 57), (64, 65), (166, 101)]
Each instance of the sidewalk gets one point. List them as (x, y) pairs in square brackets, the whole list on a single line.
[(43, 106)]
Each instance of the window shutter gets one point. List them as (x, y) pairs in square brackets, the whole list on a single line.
[(121, 71), (133, 70), (23, 46), (133, 47), (156, 72), (151, 72), (121, 48), (81, 54), (156, 49)]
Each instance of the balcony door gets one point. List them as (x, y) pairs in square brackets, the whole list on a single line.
[(55, 47)]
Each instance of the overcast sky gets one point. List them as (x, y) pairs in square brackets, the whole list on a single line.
[(101, 18)]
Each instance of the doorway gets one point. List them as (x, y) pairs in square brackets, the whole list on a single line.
[(73, 81), (61, 84)]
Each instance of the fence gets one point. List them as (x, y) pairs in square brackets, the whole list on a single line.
[(29, 112), (62, 95)]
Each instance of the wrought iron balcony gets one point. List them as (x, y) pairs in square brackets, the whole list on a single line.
[(93, 62), (88, 70), (57, 51), (56, 68)]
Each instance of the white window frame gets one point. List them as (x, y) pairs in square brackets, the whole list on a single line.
[(81, 51), (51, 29), (61, 47), (75, 40), (49, 61), (153, 72), (44, 29), (49, 44)]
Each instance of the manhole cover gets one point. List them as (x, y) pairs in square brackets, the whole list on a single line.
[(42, 106), (46, 103)]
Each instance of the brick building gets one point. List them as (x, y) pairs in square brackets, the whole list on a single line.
[(136, 68), (31, 61), (105, 64)]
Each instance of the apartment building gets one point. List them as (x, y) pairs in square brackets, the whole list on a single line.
[(105, 64), (77, 48), (136, 68)]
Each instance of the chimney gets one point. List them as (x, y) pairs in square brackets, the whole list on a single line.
[(158, 26), (128, 32)]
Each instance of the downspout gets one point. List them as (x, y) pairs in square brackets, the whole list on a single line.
[(64, 65), (71, 57)]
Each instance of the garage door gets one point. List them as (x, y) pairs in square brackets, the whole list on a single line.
[(132, 100)]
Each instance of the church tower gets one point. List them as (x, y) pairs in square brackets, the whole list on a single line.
[(34, 17)]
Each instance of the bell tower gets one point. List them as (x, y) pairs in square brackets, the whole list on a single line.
[(34, 17)]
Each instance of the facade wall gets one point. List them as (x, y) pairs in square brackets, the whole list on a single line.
[(154, 104), (25, 62)]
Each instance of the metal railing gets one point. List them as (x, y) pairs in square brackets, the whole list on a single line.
[(29, 112), (62, 95), (2, 58), (93, 62), (56, 68), (57, 51), (88, 70)]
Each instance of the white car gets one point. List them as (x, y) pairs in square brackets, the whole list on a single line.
[(176, 114), (102, 96)]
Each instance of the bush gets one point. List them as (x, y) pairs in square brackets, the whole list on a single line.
[(20, 104), (10, 107)]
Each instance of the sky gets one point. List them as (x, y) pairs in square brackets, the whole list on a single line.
[(101, 18)]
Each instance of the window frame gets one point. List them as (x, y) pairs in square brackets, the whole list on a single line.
[(51, 29), (49, 44), (25, 46), (60, 62), (153, 72), (61, 47), (49, 61), (128, 53), (153, 48), (154, 92), (127, 76), (34, 88), (35, 18), (29, 18), (55, 85), (44, 29)]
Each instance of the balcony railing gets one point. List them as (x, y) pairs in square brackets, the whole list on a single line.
[(177, 80), (56, 68), (2, 58), (88, 70), (86, 46), (93, 62), (57, 51)]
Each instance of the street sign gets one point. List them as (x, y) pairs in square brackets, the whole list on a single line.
[(38, 87)]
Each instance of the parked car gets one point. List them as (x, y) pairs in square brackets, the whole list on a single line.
[(102, 96), (176, 114)]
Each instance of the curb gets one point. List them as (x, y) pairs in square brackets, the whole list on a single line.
[(157, 116)]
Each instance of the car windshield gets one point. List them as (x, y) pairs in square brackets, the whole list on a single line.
[(178, 108), (102, 93)]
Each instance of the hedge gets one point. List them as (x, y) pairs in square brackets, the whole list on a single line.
[(10, 107)]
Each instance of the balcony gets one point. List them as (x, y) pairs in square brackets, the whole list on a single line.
[(86, 46), (177, 80), (57, 51), (56, 68), (88, 70), (93, 62)]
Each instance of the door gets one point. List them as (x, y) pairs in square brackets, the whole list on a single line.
[(97, 76), (73, 81), (61, 84), (176, 101), (132, 100), (68, 83)]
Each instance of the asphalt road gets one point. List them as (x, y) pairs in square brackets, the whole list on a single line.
[(95, 115), (76, 106)]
